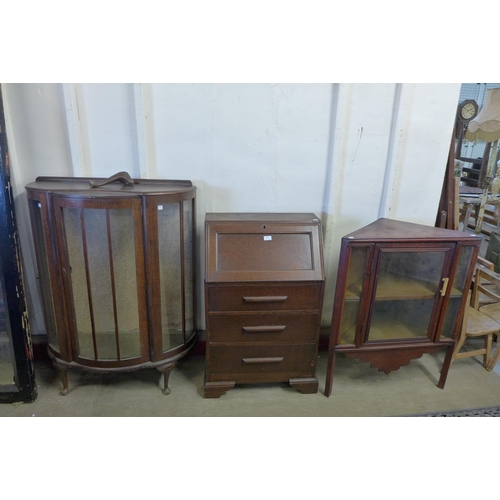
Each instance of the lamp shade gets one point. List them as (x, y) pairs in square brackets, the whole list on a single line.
[(486, 125)]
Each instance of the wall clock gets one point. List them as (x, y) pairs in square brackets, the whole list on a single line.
[(467, 110)]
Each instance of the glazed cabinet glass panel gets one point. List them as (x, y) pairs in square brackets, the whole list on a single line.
[(104, 258), (461, 280), (405, 288), (407, 285), (176, 268)]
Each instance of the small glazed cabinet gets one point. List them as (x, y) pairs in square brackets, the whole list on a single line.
[(401, 292), (116, 270), (264, 283)]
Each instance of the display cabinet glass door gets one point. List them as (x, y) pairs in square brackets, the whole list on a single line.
[(175, 237), (103, 265), (409, 283)]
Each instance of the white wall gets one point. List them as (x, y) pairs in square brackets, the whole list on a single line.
[(350, 153)]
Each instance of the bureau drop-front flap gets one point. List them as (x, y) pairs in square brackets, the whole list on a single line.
[(263, 247)]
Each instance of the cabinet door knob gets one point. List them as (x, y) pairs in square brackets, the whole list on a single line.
[(444, 286)]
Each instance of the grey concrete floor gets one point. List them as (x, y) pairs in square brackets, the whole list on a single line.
[(358, 390)]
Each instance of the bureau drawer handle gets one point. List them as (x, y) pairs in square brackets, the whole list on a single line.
[(255, 361), (261, 329), (276, 298)]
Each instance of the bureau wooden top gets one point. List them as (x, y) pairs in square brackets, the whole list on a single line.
[(262, 217), (263, 247)]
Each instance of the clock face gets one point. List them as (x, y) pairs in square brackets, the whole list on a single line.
[(468, 111)]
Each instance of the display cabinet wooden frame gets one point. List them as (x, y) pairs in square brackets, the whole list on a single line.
[(264, 282), (400, 293), (116, 266)]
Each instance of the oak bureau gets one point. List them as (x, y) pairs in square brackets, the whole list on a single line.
[(264, 282)]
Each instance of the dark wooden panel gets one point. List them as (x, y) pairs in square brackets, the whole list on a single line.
[(264, 252), (240, 249)]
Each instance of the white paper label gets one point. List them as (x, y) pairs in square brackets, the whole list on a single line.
[(268, 238), (160, 207)]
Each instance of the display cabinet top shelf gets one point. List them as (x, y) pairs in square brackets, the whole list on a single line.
[(388, 230), (81, 186)]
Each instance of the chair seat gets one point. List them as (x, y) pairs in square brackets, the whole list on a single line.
[(480, 322)]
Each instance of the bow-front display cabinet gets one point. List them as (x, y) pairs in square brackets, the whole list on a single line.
[(401, 292), (116, 271)]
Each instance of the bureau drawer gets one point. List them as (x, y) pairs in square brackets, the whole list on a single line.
[(252, 364), (263, 297), (263, 327)]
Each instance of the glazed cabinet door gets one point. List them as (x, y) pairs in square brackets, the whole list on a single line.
[(409, 288), (103, 271), (170, 230), (462, 271), (395, 293)]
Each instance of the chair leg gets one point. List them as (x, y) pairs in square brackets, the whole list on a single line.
[(459, 344), (467, 216), (494, 359), (487, 347)]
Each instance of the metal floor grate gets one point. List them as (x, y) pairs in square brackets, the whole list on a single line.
[(493, 411)]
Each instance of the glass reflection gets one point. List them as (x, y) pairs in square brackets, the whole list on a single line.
[(101, 254), (44, 276), (406, 290), (188, 267), (7, 367), (457, 292), (355, 277), (169, 240)]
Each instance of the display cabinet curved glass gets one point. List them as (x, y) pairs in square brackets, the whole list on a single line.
[(116, 270)]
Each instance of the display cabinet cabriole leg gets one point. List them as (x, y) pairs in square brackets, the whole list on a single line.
[(166, 370), (63, 373)]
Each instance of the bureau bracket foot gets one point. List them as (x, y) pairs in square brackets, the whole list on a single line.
[(63, 373), (166, 370), (305, 385), (216, 389)]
